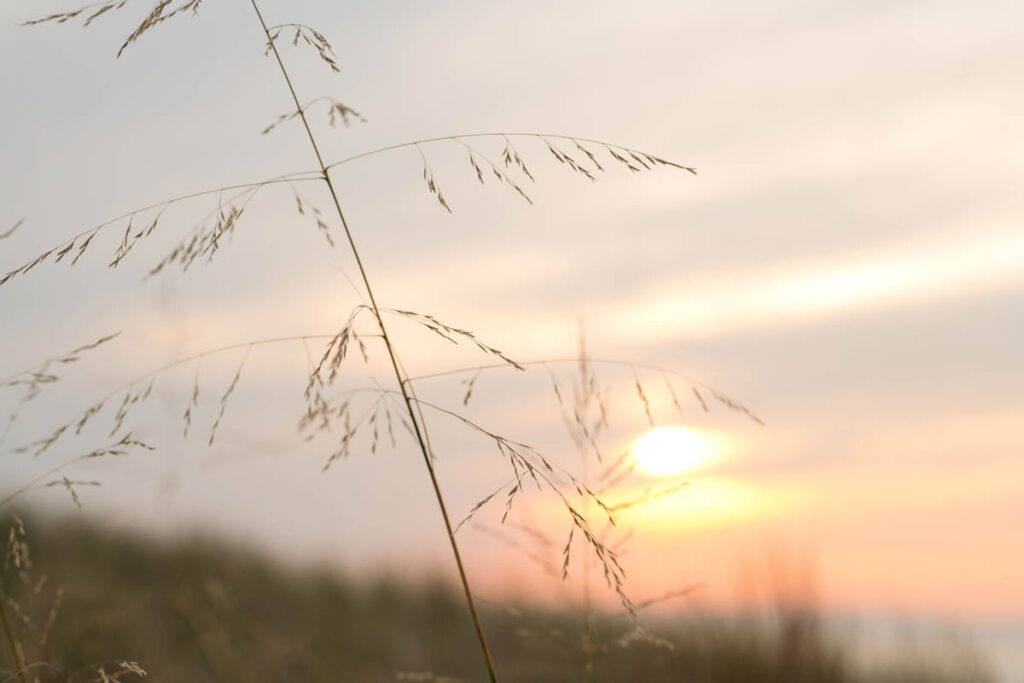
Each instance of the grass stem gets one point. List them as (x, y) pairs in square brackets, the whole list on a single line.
[(18, 665), (391, 354)]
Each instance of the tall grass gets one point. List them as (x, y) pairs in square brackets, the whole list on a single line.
[(204, 612), (387, 406)]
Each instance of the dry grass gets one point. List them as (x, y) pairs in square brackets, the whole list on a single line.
[(30, 605), (376, 409), (206, 613), (575, 397)]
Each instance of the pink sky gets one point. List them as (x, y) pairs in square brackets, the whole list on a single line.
[(848, 262)]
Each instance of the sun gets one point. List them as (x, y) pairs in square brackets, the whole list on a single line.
[(665, 451)]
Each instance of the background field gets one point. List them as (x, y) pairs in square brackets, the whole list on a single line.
[(202, 611)]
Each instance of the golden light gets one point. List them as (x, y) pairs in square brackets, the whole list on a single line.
[(715, 501), (665, 451)]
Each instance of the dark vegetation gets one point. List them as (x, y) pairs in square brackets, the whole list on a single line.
[(201, 611)]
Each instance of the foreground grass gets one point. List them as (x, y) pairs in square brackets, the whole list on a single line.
[(204, 612)]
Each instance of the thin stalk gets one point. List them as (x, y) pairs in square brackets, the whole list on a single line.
[(582, 399), (444, 138), (391, 354), (588, 607), (289, 178), (18, 665)]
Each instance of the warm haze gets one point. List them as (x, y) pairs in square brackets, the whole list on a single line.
[(848, 262)]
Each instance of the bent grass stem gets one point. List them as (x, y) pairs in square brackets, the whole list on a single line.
[(391, 353)]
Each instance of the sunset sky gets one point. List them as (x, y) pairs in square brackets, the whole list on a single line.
[(848, 262)]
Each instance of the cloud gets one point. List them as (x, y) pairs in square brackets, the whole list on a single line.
[(794, 293)]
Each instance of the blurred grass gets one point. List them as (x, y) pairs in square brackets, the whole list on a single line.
[(204, 611)]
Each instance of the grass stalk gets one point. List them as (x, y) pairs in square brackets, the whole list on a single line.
[(413, 416), (19, 666)]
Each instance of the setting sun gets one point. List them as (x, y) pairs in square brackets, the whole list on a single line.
[(450, 392), (665, 451)]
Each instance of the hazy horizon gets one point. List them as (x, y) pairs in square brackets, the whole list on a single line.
[(848, 262)]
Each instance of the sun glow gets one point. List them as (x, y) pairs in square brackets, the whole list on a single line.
[(715, 501), (666, 451)]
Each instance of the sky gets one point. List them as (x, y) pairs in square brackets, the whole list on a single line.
[(848, 262)]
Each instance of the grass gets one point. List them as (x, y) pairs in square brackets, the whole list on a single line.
[(202, 611), (363, 409)]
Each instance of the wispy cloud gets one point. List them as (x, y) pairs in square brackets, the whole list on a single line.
[(801, 292)]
